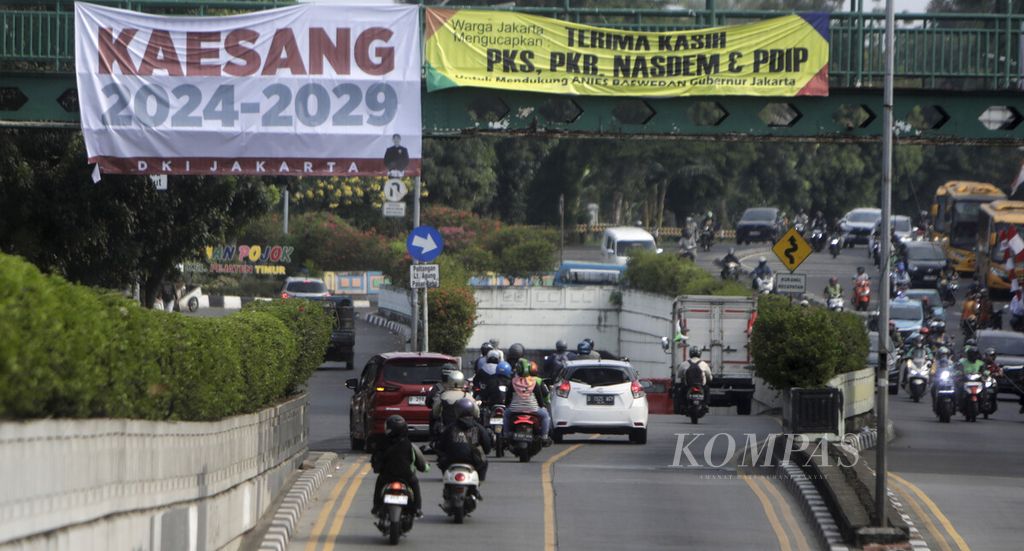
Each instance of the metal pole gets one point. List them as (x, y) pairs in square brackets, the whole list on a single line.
[(415, 294), (286, 209), (561, 216), (426, 322), (882, 377)]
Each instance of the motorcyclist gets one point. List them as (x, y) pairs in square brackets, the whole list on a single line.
[(709, 220), (695, 372), (553, 363), (464, 441), (729, 257), (691, 226), (991, 365), (819, 221), (970, 364), (687, 242), (439, 386), (801, 219), (942, 360), (1017, 311), (585, 351), (529, 395), (900, 278), (833, 289), (395, 459), (484, 377), (442, 413), (762, 271), (482, 360)]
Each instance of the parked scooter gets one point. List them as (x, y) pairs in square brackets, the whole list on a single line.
[(696, 406), (944, 394), (916, 371), (396, 516), (525, 442), (461, 491)]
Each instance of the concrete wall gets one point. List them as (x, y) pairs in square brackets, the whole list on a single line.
[(538, 316), (643, 320), (395, 302), (858, 393), (144, 485)]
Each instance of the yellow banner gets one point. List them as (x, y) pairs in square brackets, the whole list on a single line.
[(784, 56)]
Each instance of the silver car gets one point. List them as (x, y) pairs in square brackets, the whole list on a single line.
[(857, 225), (304, 287)]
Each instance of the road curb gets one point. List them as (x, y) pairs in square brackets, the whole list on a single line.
[(813, 505), (288, 514), (393, 326)]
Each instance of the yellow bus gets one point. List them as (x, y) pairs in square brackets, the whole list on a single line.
[(954, 216), (993, 218)]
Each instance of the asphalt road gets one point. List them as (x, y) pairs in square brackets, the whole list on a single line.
[(588, 493)]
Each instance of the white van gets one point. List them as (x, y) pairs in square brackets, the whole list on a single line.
[(618, 242)]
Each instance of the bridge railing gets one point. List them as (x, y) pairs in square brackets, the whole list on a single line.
[(933, 50)]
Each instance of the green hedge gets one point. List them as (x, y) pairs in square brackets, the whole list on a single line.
[(668, 274), (70, 351), (311, 327), (795, 346)]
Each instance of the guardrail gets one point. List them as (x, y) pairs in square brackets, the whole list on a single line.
[(933, 50), (128, 484)]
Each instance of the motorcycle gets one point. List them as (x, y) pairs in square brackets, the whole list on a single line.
[(731, 270), (765, 285), (494, 423), (525, 439), (461, 491), (916, 370), (835, 304), (817, 239), (861, 295), (396, 516), (834, 246), (987, 402), (944, 394), (695, 405), (707, 238), (971, 396), (688, 250), (799, 227)]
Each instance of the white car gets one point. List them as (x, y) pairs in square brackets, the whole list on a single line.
[(599, 396)]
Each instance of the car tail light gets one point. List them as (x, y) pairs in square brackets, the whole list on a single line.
[(284, 294), (696, 389), (387, 388), (460, 477), (638, 391), (563, 389)]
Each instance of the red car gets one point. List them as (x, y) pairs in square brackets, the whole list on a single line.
[(394, 383)]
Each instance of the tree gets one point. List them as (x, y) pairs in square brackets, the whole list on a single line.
[(460, 172), (119, 230)]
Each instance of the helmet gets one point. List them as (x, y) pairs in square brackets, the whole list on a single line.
[(455, 380), (972, 354), (396, 426), (943, 352), (900, 267), (523, 367), (762, 260), (918, 339), (805, 303), (689, 219), (833, 280), (464, 407), (584, 347), (732, 250), (493, 357), (860, 270), (515, 352), (970, 342), (560, 346), (694, 352), (990, 352), (819, 214), (503, 369), (711, 214), (486, 347), (590, 341)]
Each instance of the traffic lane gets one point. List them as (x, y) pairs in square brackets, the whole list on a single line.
[(611, 494), (329, 399), (971, 471)]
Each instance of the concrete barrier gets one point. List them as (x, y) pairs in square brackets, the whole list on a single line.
[(145, 485), (858, 393)]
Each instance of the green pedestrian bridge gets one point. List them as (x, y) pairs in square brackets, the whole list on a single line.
[(958, 79)]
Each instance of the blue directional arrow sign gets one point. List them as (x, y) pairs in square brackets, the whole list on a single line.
[(424, 243)]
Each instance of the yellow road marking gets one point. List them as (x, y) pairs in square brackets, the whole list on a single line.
[(787, 516), (321, 521), (959, 541), (549, 495), (769, 512), (339, 519), (925, 518)]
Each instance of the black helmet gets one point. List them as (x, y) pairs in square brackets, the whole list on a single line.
[(990, 352), (515, 352), (396, 426), (694, 352), (860, 269), (560, 346), (464, 407), (972, 354), (486, 347)]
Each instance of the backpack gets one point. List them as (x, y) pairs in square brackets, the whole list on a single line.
[(462, 443), (693, 375)]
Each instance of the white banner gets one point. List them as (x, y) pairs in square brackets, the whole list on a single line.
[(302, 90)]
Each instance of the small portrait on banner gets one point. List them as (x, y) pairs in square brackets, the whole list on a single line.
[(396, 158)]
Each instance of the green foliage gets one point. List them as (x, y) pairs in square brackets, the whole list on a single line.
[(794, 346), (452, 318), (670, 275), (69, 351), (312, 328), (522, 250)]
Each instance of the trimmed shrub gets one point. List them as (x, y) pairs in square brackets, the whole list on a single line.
[(311, 327), (667, 274), (69, 351), (452, 318), (853, 341)]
